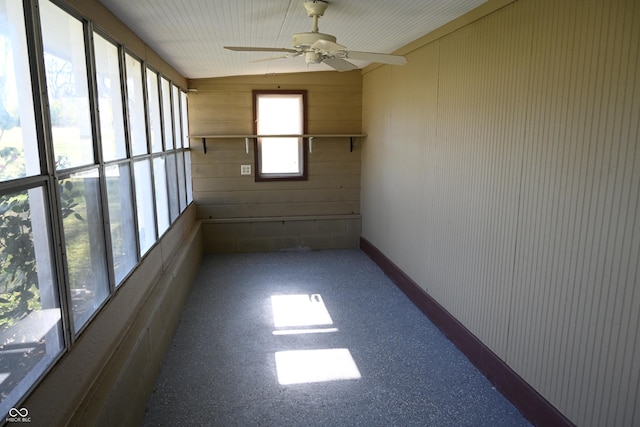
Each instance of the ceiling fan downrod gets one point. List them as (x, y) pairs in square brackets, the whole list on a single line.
[(315, 9), (303, 41)]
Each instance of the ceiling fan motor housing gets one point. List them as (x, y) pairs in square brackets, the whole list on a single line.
[(305, 40)]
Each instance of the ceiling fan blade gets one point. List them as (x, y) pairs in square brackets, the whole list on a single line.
[(327, 46), (260, 49), (291, 55), (382, 58), (339, 64)]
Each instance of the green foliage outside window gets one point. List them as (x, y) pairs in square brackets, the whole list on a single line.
[(19, 286), (18, 276)]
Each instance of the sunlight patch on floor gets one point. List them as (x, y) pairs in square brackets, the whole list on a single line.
[(312, 366), (299, 310), (307, 314)]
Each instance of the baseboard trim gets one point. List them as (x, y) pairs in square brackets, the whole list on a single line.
[(529, 402)]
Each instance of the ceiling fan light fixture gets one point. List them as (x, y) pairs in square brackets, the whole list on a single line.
[(312, 57)]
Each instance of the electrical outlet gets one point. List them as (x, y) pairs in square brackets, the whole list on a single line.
[(245, 169)]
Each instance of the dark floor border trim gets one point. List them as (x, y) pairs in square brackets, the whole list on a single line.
[(524, 397)]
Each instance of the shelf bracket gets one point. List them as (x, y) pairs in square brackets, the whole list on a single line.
[(311, 144), (246, 144), (204, 145), (351, 144)]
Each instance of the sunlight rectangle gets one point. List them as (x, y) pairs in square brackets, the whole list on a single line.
[(312, 366), (299, 310)]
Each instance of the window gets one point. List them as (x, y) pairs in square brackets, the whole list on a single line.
[(109, 99), (166, 113), (121, 220), (18, 141), (85, 247), (185, 123), (187, 172), (67, 87), (144, 205), (135, 102), (182, 190), (161, 194), (176, 115), (153, 109), (30, 316), (280, 113), (172, 186)]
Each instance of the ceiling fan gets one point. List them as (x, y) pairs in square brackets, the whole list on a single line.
[(318, 47)]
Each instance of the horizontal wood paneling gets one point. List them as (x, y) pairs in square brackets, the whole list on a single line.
[(246, 183), (224, 105), (522, 130), (277, 209), (291, 196)]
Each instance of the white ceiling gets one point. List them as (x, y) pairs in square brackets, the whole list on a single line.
[(190, 34)]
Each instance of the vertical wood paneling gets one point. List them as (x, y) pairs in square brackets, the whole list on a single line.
[(573, 211), (480, 129), (527, 229)]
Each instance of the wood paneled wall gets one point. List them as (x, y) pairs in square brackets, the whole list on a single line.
[(224, 106), (502, 173)]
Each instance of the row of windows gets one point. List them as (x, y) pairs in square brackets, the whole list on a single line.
[(94, 168)]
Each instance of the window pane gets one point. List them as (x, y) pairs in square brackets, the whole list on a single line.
[(176, 114), (18, 141), (153, 106), (187, 167), (109, 99), (182, 190), (160, 187), (30, 317), (172, 185), (67, 87), (166, 111), (135, 103), (121, 220), (144, 205), (84, 244), (280, 114), (185, 122), (280, 155)]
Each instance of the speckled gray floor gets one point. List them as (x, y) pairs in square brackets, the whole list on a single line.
[(221, 368)]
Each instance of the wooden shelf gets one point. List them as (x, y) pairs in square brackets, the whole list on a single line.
[(248, 137)]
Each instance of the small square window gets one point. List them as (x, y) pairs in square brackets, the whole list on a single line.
[(278, 114)]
